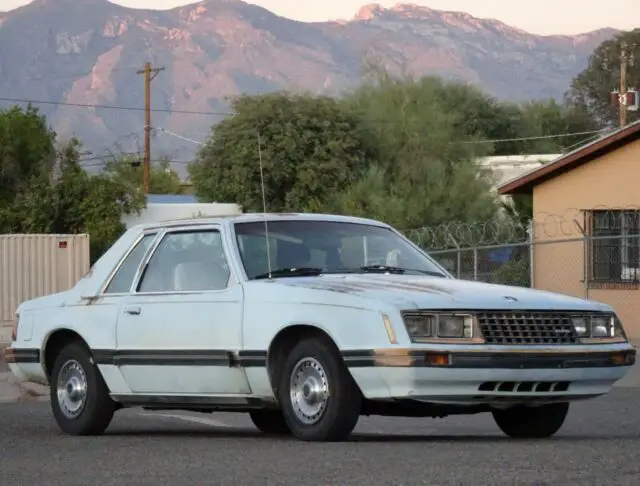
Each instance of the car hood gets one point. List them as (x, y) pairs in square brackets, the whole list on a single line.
[(44, 302), (415, 292)]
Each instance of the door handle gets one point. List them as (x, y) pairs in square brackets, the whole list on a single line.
[(133, 311)]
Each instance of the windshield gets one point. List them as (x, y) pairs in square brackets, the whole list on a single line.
[(313, 247)]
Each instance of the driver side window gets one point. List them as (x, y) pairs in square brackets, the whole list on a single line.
[(187, 261)]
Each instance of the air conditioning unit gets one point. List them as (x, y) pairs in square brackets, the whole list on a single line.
[(630, 99)]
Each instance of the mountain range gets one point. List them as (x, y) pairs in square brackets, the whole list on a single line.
[(90, 52)]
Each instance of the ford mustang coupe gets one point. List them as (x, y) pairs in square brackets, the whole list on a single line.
[(306, 322)]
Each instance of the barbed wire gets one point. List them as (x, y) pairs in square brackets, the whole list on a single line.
[(545, 226)]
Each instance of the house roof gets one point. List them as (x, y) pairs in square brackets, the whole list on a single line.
[(571, 160), (171, 198)]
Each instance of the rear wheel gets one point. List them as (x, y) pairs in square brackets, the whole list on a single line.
[(270, 422), (80, 398), (522, 422), (320, 400)]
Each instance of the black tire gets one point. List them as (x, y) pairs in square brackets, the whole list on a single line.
[(341, 410), (95, 415), (521, 422), (270, 422)]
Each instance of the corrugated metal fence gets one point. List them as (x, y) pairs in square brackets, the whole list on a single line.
[(33, 265)]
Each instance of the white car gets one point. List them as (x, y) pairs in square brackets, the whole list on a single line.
[(342, 317)]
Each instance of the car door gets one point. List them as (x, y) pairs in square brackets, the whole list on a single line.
[(105, 311), (178, 329)]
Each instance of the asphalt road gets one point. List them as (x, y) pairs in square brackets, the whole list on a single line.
[(598, 446)]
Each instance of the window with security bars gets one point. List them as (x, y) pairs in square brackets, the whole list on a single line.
[(614, 249)]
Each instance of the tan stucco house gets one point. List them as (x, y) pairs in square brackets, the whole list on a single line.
[(586, 211)]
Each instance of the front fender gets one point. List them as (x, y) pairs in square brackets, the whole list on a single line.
[(348, 327)]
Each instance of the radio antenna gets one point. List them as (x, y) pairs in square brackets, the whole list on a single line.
[(264, 206)]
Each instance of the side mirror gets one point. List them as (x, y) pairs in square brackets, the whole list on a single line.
[(88, 299)]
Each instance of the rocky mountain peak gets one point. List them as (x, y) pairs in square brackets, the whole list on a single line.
[(368, 12), (88, 52)]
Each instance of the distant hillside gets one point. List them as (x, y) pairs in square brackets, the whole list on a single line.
[(88, 52)]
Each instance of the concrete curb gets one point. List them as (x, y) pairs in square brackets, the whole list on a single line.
[(12, 390)]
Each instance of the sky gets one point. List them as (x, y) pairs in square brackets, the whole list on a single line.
[(540, 16)]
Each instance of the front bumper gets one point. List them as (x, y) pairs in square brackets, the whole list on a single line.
[(467, 376)]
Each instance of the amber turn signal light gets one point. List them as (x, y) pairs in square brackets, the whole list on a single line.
[(438, 359)]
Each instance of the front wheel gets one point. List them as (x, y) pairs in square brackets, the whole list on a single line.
[(522, 422), (80, 398), (320, 400)]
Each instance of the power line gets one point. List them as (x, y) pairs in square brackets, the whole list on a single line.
[(101, 153), (581, 142), (114, 107), (177, 135), (594, 134), (498, 140), (541, 137), (218, 113)]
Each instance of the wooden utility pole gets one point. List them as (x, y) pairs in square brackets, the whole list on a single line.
[(623, 85), (149, 75)]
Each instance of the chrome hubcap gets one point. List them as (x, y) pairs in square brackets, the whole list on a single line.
[(309, 390), (72, 389)]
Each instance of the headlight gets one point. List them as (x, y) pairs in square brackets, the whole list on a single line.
[(599, 328), (452, 326), (581, 325), (440, 326), (419, 325)]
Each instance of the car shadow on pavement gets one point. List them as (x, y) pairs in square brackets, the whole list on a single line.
[(242, 433), (484, 438)]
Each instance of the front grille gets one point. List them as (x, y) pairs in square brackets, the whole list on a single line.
[(527, 328)]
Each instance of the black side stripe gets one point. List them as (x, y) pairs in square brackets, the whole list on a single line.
[(195, 357), (359, 358), (352, 358), (252, 359), (22, 355)]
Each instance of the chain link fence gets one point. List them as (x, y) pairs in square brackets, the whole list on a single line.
[(508, 264), (601, 264)]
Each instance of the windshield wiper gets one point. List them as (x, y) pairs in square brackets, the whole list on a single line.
[(400, 270), (315, 271), (291, 272)]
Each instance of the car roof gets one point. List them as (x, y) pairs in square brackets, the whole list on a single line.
[(256, 217)]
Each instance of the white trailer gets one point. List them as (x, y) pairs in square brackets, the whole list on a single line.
[(156, 212)]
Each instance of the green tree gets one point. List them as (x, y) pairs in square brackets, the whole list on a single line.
[(311, 147), (545, 123), (590, 90), (26, 149), (477, 114), (162, 180), (69, 200), (425, 172)]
